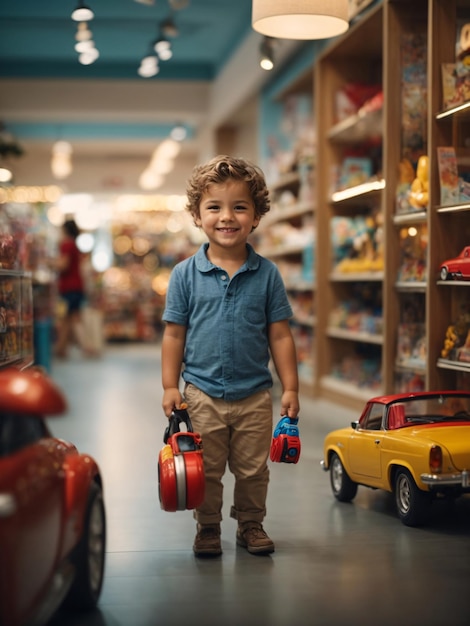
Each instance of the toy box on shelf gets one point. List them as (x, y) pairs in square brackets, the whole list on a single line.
[(413, 185), (413, 253), (360, 369), (456, 345), (448, 175), (360, 312), (357, 243)]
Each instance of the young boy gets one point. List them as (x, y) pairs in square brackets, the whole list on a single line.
[(226, 312)]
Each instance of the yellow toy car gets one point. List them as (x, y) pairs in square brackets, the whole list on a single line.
[(416, 446)]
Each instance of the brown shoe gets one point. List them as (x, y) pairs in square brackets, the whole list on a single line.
[(253, 537), (207, 540)]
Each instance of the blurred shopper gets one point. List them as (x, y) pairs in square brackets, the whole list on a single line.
[(72, 293)]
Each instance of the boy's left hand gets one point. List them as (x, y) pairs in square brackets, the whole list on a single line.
[(290, 404)]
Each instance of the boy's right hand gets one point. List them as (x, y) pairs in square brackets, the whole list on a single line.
[(172, 399)]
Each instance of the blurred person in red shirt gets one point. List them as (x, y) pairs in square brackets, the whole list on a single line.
[(71, 289)]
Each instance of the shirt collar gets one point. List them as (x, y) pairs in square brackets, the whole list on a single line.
[(204, 265)]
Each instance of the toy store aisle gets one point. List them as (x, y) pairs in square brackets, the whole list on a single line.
[(334, 564)]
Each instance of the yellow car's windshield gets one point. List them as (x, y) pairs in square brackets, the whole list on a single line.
[(429, 409)]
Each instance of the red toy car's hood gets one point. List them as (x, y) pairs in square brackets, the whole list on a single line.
[(30, 392)]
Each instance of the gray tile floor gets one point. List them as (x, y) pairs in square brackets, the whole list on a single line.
[(334, 564)]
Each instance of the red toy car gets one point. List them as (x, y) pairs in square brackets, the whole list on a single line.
[(52, 514), (458, 268)]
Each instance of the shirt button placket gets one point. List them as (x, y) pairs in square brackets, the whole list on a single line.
[(228, 335)]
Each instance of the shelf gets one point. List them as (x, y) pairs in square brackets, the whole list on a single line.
[(462, 110), (309, 322), (342, 387), (415, 217), (416, 367), (453, 365), (453, 208), (349, 335), (286, 213), (299, 285), (356, 277), (282, 250), (287, 181), (419, 287), (358, 128), (359, 192), (454, 283)]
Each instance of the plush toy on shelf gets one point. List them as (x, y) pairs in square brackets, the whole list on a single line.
[(419, 192)]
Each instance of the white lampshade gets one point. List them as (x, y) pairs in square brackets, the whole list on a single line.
[(300, 19)]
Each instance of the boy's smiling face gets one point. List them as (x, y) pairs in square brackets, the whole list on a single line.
[(227, 213)]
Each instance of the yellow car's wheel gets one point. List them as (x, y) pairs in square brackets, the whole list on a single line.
[(344, 489), (413, 504)]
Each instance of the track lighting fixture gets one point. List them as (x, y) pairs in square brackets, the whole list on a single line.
[(163, 48), (61, 161), (82, 13), (83, 32), (148, 66), (89, 56), (266, 60), (179, 132), (169, 28), (85, 45), (6, 175)]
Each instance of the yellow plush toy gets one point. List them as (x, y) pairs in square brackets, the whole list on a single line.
[(419, 193)]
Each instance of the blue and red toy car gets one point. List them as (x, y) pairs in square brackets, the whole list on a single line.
[(285, 445)]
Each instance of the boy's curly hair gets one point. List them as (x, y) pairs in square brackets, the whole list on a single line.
[(220, 169)]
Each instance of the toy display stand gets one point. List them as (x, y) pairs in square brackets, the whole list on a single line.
[(181, 478), (285, 445)]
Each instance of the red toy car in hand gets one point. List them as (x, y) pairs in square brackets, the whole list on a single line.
[(181, 480), (52, 514)]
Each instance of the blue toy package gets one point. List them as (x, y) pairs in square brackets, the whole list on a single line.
[(285, 445)]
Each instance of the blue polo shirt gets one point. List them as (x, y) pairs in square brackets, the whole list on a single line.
[(227, 352)]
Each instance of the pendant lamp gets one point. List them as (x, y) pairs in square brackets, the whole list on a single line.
[(300, 19)]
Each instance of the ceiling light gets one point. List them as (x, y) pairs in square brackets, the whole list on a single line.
[(266, 60), (179, 133), (61, 162), (148, 66), (83, 46), (300, 19), (149, 180), (169, 28), (89, 56), (83, 32), (168, 149), (5, 175), (163, 48), (62, 147), (82, 13)]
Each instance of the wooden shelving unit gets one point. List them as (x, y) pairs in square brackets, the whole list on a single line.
[(415, 305), (370, 52), (449, 225), (356, 57), (287, 236)]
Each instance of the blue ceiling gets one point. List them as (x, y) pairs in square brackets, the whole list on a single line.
[(37, 37)]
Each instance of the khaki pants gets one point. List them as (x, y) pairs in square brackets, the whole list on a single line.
[(238, 434)]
